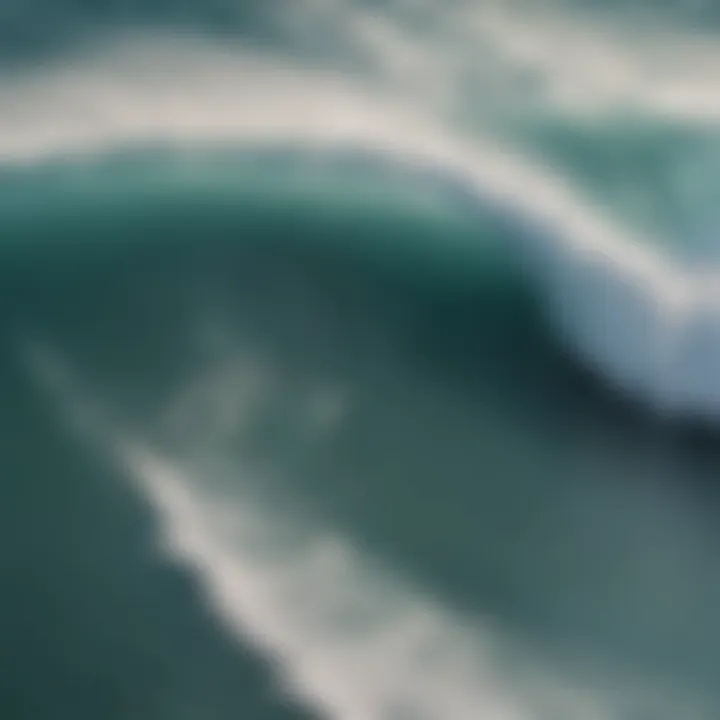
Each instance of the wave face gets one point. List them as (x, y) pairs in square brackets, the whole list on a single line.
[(358, 361)]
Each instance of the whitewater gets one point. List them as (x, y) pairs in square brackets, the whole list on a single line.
[(346, 634)]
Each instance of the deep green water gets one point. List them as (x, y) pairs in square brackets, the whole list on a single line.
[(474, 456), (289, 433)]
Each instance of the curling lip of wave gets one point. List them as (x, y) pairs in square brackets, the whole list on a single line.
[(648, 325)]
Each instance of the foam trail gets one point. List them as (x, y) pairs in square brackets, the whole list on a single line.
[(346, 638), (649, 326), (349, 643)]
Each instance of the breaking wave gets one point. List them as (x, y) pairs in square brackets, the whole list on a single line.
[(151, 149)]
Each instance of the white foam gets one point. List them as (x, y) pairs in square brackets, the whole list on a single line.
[(582, 62), (462, 55), (347, 642)]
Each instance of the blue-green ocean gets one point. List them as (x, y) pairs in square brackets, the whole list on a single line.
[(359, 360)]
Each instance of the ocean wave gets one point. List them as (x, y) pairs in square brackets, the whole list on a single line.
[(170, 142), (650, 326)]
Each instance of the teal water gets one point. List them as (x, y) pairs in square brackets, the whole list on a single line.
[(316, 422)]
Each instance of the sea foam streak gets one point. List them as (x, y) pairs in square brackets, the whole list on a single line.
[(346, 641), (347, 637), (649, 326)]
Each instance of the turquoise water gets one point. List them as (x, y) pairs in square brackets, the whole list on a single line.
[(316, 405)]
